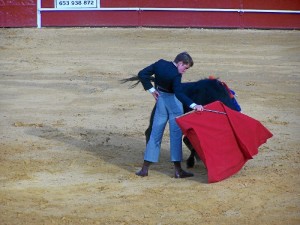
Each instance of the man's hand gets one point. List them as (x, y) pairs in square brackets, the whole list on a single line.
[(199, 108), (155, 94)]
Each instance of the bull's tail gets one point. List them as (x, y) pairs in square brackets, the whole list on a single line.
[(134, 78)]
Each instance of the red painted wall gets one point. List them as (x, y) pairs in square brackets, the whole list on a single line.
[(17, 13), (23, 13), (173, 3)]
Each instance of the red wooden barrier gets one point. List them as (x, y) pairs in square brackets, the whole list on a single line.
[(23, 13), (20, 13)]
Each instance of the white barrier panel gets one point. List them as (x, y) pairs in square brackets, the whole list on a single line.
[(70, 4)]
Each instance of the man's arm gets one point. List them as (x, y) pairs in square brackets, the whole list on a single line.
[(145, 75), (177, 87)]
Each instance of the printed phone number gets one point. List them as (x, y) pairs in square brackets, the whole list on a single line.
[(76, 3)]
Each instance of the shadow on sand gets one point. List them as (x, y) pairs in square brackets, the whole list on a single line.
[(121, 150)]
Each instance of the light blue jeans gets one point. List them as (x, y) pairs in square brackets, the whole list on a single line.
[(168, 107)]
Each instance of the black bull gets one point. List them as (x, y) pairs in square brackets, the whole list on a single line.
[(202, 92)]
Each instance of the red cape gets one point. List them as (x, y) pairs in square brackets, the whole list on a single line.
[(225, 140)]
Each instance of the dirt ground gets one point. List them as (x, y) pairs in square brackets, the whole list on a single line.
[(72, 136)]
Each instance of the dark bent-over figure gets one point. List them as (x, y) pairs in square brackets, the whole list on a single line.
[(202, 92)]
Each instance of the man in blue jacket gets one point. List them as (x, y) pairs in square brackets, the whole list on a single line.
[(169, 99)]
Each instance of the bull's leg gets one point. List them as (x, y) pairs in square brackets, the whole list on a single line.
[(190, 162), (149, 129)]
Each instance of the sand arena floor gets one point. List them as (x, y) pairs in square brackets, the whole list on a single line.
[(72, 136)]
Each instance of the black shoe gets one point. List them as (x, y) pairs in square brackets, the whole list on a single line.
[(142, 173), (182, 174)]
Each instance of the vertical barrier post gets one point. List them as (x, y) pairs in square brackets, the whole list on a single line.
[(38, 16)]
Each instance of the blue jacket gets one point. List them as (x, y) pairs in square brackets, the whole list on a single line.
[(166, 77)]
